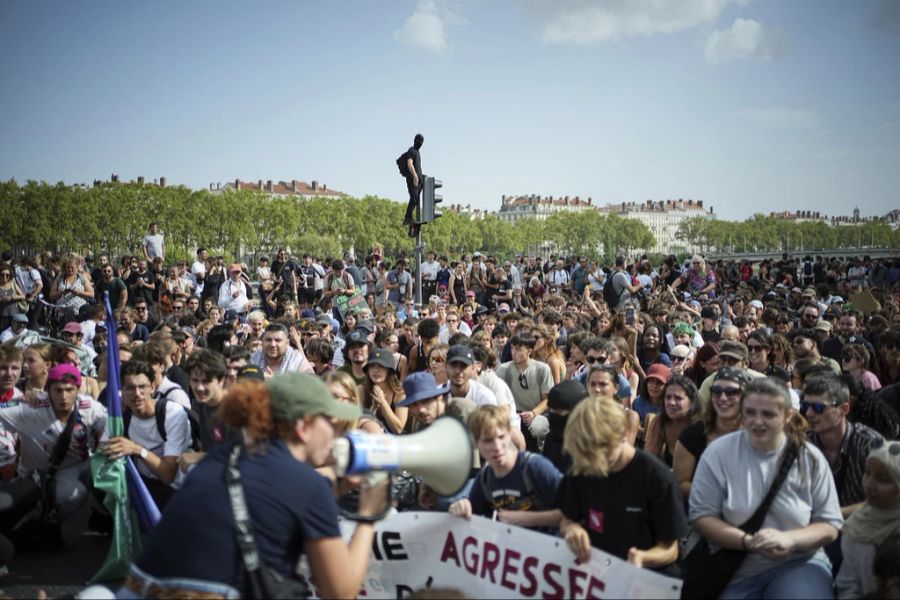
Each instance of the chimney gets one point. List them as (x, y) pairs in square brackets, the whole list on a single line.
[(114, 178), (590, 200), (503, 200), (259, 184), (162, 182), (315, 185), (294, 186), (324, 187), (269, 185), (140, 181), (700, 203), (212, 187), (237, 185)]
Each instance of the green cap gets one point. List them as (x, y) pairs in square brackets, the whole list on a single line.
[(296, 395)]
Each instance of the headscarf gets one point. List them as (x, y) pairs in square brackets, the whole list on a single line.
[(870, 525)]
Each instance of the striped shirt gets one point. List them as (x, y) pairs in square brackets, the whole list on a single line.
[(850, 465)]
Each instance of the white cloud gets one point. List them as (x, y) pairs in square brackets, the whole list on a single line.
[(589, 22), (780, 118), (746, 39), (426, 28)]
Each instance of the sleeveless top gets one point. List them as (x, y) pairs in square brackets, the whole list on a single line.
[(73, 302)]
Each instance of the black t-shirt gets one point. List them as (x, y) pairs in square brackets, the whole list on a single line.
[(710, 336), (213, 433), (140, 292), (637, 507), (211, 285), (177, 375), (417, 161), (693, 438), (196, 543), (114, 287)]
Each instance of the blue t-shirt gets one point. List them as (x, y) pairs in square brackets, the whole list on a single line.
[(644, 408), (289, 503), (511, 493)]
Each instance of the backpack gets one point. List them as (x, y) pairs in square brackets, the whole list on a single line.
[(160, 415), (401, 164), (541, 503), (610, 295)]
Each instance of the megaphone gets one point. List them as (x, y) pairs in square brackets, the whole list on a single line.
[(441, 455)]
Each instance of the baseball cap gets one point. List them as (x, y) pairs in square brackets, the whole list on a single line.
[(823, 326), (809, 292), (366, 326), (381, 357), (837, 299), (64, 372), (659, 371), (708, 312), (357, 336), (251, 372), (460, 353), (733, 349), (756, 304), (20, 318), (470, 294), (71, 327), (296, 395), (504, 307), (566, 394)]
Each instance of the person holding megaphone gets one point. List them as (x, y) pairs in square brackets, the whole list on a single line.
[(288, 509)]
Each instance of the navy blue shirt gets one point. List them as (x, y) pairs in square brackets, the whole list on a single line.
[(511, 491), (289, 503)]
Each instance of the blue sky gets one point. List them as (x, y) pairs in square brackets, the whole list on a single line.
[(749, 105)]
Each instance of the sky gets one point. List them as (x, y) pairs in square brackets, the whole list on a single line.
[(749, 105)]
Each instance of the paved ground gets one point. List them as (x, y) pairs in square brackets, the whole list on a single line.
[(61, 572)]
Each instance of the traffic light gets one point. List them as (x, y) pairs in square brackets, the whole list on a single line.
[(430, 200)]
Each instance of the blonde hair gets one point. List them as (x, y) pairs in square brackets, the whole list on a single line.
[(487, 419), (595, 428)]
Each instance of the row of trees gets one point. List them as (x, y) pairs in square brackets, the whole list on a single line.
[(115, 217), (761, 233)]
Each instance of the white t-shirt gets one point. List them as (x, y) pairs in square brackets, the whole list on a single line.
[(38, 429), (172, 391), (489, 379), (198, 267), (145, 433)]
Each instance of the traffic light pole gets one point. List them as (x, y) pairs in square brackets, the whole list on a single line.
[(419, 248)]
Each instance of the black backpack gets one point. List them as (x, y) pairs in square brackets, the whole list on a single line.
[(160, 415), (401, 164), (610, 295)]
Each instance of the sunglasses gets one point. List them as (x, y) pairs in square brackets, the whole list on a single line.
[(595, 359), (756, 348), (818, 407), (731, 392), (523, 381), (437, 360), (678, 358)]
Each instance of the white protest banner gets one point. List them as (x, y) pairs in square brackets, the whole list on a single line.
[(487, 559)]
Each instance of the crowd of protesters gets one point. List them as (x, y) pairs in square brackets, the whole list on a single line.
[(643, 409)]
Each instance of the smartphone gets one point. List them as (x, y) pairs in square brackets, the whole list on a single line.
[(629, 315)]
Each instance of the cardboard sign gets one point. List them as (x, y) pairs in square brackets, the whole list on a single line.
[(352, 303)]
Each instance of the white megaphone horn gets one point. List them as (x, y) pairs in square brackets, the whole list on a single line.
[(441, 454)]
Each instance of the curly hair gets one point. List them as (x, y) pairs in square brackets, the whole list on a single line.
[(246, 407)]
